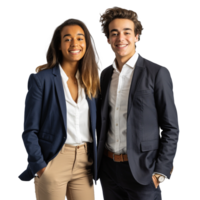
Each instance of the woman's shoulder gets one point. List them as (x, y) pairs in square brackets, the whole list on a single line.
[(44, 73)]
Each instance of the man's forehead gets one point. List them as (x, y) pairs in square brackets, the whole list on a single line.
[(121, 24)]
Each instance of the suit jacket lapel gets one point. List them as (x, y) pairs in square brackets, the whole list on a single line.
[(105, 88), (60, 93), (92, 108), (135, 82)]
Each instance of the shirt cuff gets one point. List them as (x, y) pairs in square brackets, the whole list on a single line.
[(160, 174)]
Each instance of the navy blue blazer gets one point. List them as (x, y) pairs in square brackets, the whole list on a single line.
[(150, 107), (45, 121)]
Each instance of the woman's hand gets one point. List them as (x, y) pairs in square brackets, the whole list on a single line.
[(39, 173)]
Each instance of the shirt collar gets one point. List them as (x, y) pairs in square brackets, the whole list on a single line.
[(131, 62), (64, 75)]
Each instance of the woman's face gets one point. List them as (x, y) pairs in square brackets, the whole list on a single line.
[(73, 44)]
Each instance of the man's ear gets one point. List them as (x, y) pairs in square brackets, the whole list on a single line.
[(108, 41), (136, 38)]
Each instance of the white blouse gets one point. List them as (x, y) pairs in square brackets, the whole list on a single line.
[(78, 117)]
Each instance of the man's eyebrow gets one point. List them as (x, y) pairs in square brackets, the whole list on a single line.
[(70, 34), (125, 29)]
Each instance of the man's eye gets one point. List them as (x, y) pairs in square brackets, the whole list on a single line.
[(67, 40)]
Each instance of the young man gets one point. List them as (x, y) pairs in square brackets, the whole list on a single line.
[(136, 101)]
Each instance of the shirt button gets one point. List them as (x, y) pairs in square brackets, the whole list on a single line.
[(116, 124), (117, 140), (116, 108)]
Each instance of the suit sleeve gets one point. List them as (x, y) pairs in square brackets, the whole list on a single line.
[(33, 106), (168, 122)]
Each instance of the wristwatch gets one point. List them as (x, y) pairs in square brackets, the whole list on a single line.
[(160, 178)]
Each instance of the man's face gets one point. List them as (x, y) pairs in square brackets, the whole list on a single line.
[(122, 38)]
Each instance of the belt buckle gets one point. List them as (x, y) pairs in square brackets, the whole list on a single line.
[(114, 158), (121, 158)]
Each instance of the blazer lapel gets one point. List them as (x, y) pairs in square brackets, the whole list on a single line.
[(105, 92), (135, 82), (60, 93), (92, 108)]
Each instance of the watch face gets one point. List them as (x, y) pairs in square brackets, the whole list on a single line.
[(161, 179)]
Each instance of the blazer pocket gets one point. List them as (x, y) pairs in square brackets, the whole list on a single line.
[(46, 136), (149, 145)]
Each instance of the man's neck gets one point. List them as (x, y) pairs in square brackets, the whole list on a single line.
[(120, 61)]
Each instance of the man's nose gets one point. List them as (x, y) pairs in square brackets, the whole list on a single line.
[(120, 37)]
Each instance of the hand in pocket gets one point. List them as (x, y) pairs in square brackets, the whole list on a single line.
[(39, 173), (90, 174), (155, 181)]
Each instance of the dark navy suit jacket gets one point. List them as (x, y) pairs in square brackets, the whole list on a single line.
[(45, 121), (150, 107)]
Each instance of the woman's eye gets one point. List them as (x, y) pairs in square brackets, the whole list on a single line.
[(67, 40)]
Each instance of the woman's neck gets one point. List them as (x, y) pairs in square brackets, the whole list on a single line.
[(70, 68)]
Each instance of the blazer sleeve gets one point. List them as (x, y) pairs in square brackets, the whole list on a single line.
[(33, 107), (168, 122)]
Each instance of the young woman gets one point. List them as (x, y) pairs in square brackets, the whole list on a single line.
[(60, 117)]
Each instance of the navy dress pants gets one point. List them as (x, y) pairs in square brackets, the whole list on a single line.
[(118, 183)]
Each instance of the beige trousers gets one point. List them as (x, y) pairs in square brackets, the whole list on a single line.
[(68, 174)]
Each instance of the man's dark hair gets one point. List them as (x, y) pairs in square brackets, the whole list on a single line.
[(116, 12)]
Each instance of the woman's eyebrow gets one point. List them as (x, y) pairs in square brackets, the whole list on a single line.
[(70, 34)]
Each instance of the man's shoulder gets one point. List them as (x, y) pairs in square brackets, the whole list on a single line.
[(152, 67)]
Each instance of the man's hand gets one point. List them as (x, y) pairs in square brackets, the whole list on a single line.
[(39, 173), (155, 180)]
